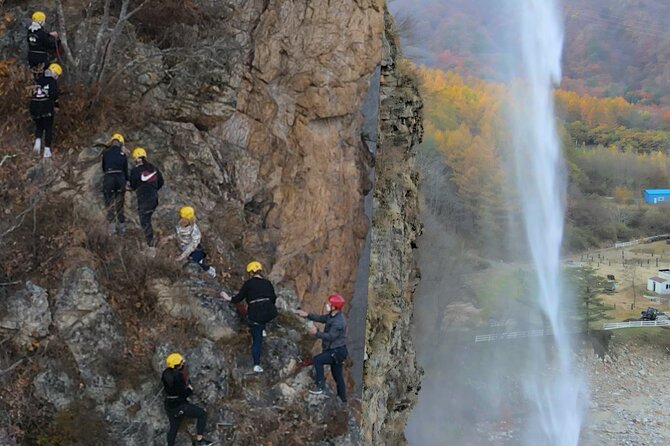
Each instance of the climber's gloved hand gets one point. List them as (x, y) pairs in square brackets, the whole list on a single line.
[(225, 296), (311, 330), (301, 313)]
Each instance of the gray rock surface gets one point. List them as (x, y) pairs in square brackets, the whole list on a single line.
[(91, 329), (391, 376), (25, 315), (54, 385)]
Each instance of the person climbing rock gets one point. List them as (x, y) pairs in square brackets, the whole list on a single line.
[(334, 345), (260, 297), (188, 238), (41, 44), (43, 106), (115, 169), (177, 390), (146, 180)]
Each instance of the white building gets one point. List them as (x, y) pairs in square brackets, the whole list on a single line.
[(661, 283)]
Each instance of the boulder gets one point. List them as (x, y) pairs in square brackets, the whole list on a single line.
[(194, 300)]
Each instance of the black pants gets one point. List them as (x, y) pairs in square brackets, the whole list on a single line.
[(38, 63), (145, 209), (114, 190), (256, 329), (198, 256), (335, 358), (44, 125), (177, 414)]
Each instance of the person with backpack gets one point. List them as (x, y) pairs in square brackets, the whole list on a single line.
[(188, 238), (260, 297), (146, 180), (177, 390), (41, 44), (115, 170), (43, 105), (334, 345)]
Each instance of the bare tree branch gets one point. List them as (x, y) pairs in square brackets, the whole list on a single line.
[(62, 35), (104, 25), (124, 16), (6, 157)]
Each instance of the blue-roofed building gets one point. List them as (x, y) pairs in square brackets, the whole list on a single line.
[(656, 196)]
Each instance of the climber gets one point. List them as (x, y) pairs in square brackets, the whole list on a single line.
[(146, 180), (115, 168), (177, 390), (334, 345), (260, 296), (40, 44), (188, 238), (43, 105)]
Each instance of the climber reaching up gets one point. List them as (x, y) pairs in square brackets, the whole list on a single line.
[(334, 345), (115, 169), (146, 180), (43, 106), (260, 297), (188, 238), (41, 44), (177, 390)]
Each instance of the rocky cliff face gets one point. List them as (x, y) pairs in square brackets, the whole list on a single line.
[(391, 375), (251, 110)]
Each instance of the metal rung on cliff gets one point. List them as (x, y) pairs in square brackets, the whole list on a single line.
[(634, 324)]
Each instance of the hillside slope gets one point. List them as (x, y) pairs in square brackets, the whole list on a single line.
[(251, 110), (611, 48)]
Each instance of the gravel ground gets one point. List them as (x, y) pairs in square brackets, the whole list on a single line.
[(630, 396)]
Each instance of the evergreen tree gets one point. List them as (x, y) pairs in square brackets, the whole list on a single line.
[(587, 286)]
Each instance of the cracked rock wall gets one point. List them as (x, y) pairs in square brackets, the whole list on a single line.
[(391, 375)]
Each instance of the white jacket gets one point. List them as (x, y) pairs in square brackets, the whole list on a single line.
[(188, 238)]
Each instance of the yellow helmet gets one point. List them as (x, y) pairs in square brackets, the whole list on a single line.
[(254, 267), (118, 137), (39, 17), (56, 69), (187, 213), (139, 152), (173, 360)]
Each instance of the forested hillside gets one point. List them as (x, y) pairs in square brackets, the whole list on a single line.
[(611, 48), (614, 149)]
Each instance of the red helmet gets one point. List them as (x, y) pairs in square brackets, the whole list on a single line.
[(336, 301)]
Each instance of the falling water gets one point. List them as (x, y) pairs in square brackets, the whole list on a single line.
[(554, 387)]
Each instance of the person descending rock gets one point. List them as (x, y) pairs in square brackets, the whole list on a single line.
[(177, 390), (41, 44), (188, 238), (260, 297), (43, 105), (334, 345), (115, 168), (146, 180)]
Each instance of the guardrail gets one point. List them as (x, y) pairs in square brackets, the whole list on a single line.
[(512, 335), (634, 324), (653, 238)]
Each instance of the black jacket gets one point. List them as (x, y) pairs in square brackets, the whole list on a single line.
[(45, 97), (40, 45), (260, 296), (335, 332), (114, 160), (146, 179), (175, 385)]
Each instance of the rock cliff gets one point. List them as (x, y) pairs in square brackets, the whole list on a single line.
[(391, 375), (252, 111)]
